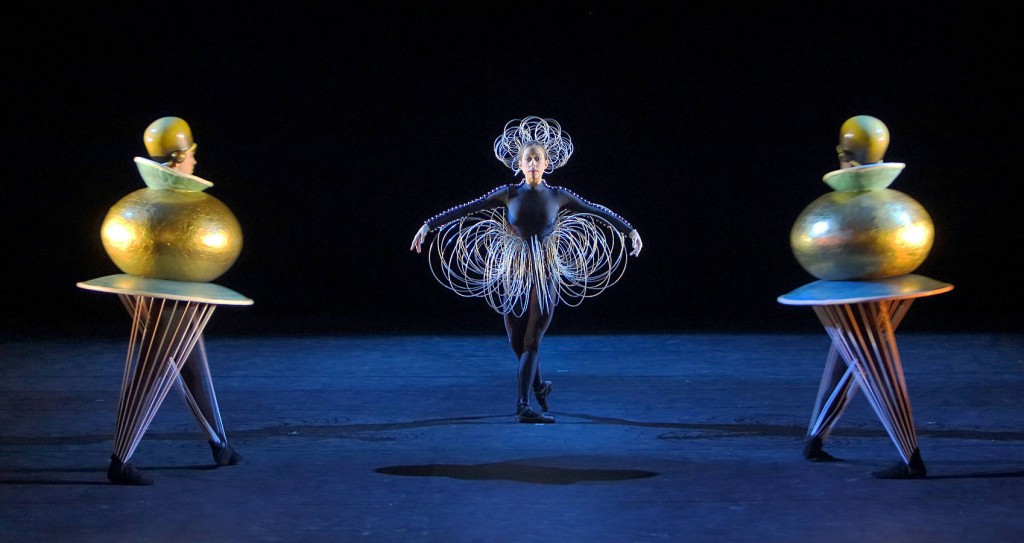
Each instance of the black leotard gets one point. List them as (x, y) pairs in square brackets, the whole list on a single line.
[(532, 211)]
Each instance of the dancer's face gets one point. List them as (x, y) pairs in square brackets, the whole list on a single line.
[(533, 162), (188, 165)]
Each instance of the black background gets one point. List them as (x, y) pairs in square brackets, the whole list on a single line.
[(333, 130)]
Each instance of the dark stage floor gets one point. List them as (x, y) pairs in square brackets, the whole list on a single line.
[(659, 438)]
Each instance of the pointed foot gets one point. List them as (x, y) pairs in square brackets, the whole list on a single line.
[(224, 455), (526, 415), (913, 470), (124, 473), (814, 451), (542, 394)]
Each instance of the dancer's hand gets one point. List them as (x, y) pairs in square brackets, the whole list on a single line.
[(638, 243), (420, 237)]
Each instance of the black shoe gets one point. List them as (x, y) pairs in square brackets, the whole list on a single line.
[(542, 395), (526, 415), (813, 451), (125, 474), (914, 470), (225, 455)]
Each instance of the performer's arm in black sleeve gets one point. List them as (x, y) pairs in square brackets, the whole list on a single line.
[(574, 202), (495, 198)]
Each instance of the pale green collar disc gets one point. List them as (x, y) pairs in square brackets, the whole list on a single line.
[(158, 176)]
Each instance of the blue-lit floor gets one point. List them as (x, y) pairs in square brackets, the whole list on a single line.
[(412, 438)]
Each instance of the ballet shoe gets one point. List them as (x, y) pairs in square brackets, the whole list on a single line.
[(124, 473), (814, 452), (526, 415), (225, 455), (542, 395), (913, 470)]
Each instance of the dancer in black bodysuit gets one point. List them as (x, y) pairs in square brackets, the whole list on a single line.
[(526, 247)]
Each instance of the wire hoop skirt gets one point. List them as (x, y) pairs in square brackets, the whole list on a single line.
[(480, 256)]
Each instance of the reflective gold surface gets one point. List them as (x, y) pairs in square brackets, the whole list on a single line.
[(176, 235), (862, 235)]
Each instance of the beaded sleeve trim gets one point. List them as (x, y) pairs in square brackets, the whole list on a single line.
[(456, 212), (598, 206)]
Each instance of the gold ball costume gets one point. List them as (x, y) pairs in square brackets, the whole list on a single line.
[(170, 239), (862, 241), (171, 229), (863, 229)]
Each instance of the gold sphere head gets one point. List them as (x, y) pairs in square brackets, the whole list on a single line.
[(170, 234), (863, 139), (870, 234), (166, 136)]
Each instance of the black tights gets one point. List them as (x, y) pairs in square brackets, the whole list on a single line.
[(195, 376), (524, 335)]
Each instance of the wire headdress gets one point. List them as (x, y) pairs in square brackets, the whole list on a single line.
[(521, 133)]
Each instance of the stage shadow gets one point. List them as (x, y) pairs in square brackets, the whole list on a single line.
[(704, 430), (378, 431), (10, 476), (979, 475), (52, 482), (513, 471)]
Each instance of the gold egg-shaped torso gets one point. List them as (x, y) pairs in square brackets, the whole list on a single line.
[(869, 234), (172, 234)]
